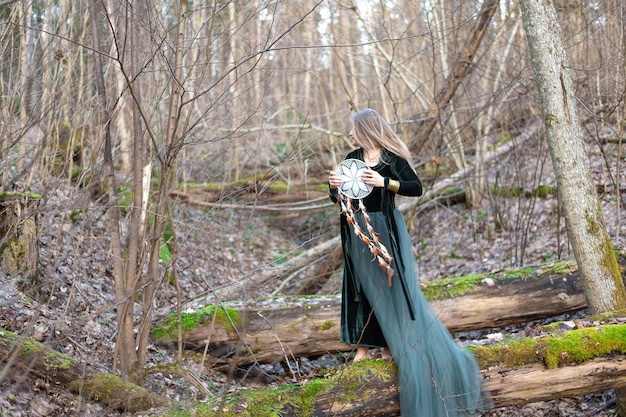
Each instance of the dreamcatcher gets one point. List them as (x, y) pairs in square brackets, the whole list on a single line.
[(353, 188)]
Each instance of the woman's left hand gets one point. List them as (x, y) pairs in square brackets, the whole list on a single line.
[(374, 178)]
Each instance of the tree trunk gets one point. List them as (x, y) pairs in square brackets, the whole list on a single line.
[(586, 228), (18, 247), (127, 284), (310, 326), (21, 354)]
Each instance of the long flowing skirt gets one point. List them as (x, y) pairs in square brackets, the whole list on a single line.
[(437, 377)]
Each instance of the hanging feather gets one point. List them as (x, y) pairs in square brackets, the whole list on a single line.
[(371, 239)]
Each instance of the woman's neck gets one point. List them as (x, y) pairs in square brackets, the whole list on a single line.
[(372, 156)]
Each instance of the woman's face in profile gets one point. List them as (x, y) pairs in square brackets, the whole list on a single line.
[(354, 141)]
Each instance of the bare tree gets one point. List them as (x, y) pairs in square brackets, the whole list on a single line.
[(604, 288)]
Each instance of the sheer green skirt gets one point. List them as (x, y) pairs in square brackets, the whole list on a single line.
[(437, 377)]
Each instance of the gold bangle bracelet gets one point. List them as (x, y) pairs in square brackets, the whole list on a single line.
[(393, 186)]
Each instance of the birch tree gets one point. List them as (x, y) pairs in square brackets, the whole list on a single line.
[(604, 288)]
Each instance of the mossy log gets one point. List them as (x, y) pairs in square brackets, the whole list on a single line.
[(23, 354), (285, 327), (521, 371), (508, 387)]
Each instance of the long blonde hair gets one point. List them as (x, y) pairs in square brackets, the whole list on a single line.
[(371, 130)]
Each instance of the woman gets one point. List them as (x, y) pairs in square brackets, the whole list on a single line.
[(436, 377)]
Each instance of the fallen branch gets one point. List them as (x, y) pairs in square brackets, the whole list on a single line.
[(234, 289), (23, 354)]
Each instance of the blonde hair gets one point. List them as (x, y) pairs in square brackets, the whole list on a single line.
[(371, 130)]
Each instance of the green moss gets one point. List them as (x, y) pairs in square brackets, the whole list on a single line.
[(451, 287), (57, 360), (320, 187), (327, 325), (51, 358), (269, 402), (450, 191), (561, 267), (15, 194), (524, 272), (545, 190), (456, 286), (29, 347), (507, 192), (574, 346), (516, 352), (299, 399), (8, 335), (551, 327), (168, 328), (581, 345), (110, 388), (608, 262), (310, 393)]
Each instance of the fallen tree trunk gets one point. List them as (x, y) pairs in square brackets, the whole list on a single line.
[(532, 383), (507, 386), (287, 328), (520, 371), (25, 355)]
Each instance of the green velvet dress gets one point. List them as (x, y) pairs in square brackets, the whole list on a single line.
[(436, 376)]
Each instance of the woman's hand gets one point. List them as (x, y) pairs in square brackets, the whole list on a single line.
[(334, 179), (374, 178)]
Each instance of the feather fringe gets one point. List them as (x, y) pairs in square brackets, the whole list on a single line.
[(371, 239)]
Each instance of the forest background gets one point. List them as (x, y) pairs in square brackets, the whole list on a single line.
[(175, 149)]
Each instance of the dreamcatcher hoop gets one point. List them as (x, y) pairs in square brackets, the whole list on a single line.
[(353, 186)]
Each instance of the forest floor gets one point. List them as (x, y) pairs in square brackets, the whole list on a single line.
[(70, 306)]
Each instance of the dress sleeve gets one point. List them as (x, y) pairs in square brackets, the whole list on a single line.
[(410, 184), (333, 193)]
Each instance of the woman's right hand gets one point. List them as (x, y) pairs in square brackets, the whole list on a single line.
[(334, 179)]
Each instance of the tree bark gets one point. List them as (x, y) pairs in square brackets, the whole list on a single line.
[(310, 326), (22, 354)]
